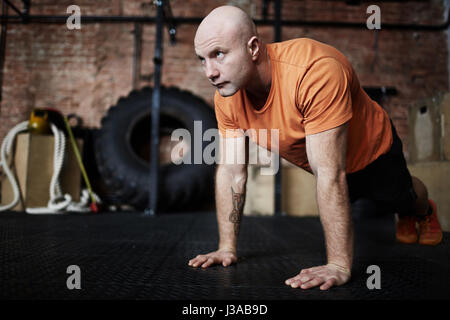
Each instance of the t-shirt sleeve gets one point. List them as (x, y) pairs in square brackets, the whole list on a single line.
[(227, 127), (325, 100)]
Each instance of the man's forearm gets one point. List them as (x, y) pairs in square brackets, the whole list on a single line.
[(230, 199), (335, 215)]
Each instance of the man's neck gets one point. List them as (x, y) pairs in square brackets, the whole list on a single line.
[(259, 90)]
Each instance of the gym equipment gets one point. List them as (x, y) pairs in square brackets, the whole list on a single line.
[(93, 206), (40, 121), (122, 150)]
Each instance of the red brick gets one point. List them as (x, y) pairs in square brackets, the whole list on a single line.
[(86, 71)]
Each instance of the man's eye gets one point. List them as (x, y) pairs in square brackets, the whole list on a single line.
[(219, 54)]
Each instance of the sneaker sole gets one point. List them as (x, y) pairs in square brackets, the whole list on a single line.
[(431, 242), (407, 240)]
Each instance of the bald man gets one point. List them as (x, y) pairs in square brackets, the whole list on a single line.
[(327, 125)]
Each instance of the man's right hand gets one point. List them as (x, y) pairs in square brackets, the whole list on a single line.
[(225, 257)]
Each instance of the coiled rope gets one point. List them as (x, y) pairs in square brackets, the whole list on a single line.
[(58, 202)]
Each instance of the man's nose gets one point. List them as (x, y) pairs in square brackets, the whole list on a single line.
[(211, 72)]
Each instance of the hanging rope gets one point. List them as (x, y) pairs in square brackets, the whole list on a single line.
[(58, 202), (5, 151)]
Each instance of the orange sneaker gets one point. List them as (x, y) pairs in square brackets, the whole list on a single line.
[(430, 232), (406, 229)]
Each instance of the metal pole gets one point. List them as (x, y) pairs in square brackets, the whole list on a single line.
[(4, 29), (156, 102), (169, 20), (26, 7), (277, 22), (55, 19), (137, 55), (13, 7), (277, 31)]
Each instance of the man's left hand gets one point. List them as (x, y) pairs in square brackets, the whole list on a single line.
[(324, 276)]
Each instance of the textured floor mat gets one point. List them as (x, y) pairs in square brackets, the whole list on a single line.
[(128, 256)]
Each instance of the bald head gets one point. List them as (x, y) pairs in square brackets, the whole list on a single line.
[(229, 21), (229, 49)]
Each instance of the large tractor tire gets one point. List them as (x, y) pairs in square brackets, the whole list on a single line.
[(122, 150)]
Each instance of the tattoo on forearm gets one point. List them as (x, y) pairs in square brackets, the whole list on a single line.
[(236, 214)]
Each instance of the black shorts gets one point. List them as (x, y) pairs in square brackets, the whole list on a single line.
[(386, 180)]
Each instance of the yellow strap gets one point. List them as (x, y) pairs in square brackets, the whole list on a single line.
[(80, 162)]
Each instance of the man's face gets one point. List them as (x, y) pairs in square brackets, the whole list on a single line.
[(226, 61)]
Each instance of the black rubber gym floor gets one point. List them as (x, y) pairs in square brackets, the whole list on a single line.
[(129, 256)]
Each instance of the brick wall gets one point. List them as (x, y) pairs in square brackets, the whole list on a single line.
[(86, 71)]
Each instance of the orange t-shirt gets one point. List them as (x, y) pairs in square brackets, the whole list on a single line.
[(314, 88)]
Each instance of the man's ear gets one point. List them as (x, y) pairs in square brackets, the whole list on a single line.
[(253, 46)]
